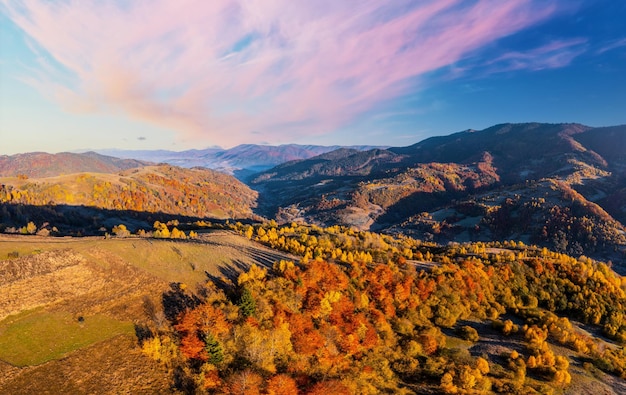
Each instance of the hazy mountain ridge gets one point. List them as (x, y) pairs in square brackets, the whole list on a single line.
[(243, 159)]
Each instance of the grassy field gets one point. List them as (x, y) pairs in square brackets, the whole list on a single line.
[(29, 245), (46, 284), (54, 280), (181, 261), (35, 337), (113, 366)]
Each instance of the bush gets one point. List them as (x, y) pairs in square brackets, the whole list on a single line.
[(468, 333), (121, 231)]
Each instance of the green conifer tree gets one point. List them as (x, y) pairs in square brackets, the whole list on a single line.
[(247, 304), (214, 349)]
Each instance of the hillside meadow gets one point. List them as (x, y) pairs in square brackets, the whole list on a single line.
[(74, 305)]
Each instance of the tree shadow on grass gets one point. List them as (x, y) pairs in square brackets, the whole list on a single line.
[(176, 301), (83, 221)]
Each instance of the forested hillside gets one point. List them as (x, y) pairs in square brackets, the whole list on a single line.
[(72, 201), (362, 313), (40, 164), (557, 185)]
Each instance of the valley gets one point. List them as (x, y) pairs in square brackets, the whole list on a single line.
[(472, 185)]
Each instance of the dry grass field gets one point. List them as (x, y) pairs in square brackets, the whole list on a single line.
[(68, 306)]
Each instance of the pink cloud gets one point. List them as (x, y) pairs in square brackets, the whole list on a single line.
[(232, 71)]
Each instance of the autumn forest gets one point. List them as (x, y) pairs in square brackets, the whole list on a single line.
[(365, 313)]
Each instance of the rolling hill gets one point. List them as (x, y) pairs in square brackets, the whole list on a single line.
[(471, 185), (170, 316), (72, 309), (87, 201), (40, 164)]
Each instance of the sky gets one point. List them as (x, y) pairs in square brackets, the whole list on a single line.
[(191, 74)]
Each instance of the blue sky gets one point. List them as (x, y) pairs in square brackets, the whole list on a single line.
[(163, 74)]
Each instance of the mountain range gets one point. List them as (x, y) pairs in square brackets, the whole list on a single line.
[(242, 160), (558, 185)]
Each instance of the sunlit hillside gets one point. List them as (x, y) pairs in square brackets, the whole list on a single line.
[(141, 195), (76, 305)]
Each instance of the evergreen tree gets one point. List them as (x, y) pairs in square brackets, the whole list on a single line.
[(214, 350), (247, 304)]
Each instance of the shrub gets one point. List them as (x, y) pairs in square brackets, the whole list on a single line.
[(468, 333)]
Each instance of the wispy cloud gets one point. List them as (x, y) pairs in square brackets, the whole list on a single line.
[(612, 45), (554, 55), (231, 71)]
